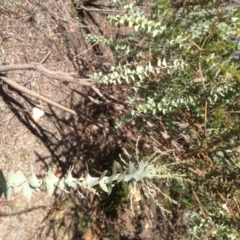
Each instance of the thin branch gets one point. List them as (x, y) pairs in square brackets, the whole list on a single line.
[(36, 95), (96, 90), (202, 209), (102, 10), (45, 58), (61, 76)]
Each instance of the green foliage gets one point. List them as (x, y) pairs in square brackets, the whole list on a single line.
[(190, 67), (194, 49), (183, 85), (131, 175), (200, 227), (117, 46), (17, 182), (192, 93)]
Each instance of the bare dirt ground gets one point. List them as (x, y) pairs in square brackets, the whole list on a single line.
[(29, 30)]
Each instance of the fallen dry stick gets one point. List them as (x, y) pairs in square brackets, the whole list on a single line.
[(58, 75), (61, 76), (36, 95)]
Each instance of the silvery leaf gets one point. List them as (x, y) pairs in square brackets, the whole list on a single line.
[(121, 176), (27, 191), (90, 181), (17, 187), (70, 181), (33, 181), (103, 186), (131, 168), (11, 178), (8, 192), (109, 189), (52, 176), (103, 175), (19, 177), (128, 177), (50, 185), (62, 184)]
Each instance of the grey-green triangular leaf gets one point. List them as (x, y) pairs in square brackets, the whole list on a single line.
[(90, 181), (62, 184), (128, 177), (103, 186), (8, 192), (121, 176), (71, 181), (141, 166), (131, 184), (109, 189), (138, 175), (112, 178), (124, 184), (33, 180), (11, 178), (52, 176), (103, 175), (150, 171), (17, 187), (35, 184), (50, 186), (27, 191), (114, 168), (19, 177), (19, 180), (131, 168), (71, 184), (119, 167)]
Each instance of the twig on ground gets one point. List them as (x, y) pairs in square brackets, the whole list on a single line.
[(36, 95), (102, 10), (96, 90), (45, 58), (31, 73), (61, 76)]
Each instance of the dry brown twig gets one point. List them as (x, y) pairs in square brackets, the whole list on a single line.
[(36, 95), (106, 10), (45, 99), (60, 76), (57, 75)]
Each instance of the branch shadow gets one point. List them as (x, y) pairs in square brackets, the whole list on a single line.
[(72, 142), (76, 141)]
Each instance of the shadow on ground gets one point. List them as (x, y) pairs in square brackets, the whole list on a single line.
[(75, 141)]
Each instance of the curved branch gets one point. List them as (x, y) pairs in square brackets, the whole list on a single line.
[(61, 76)]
